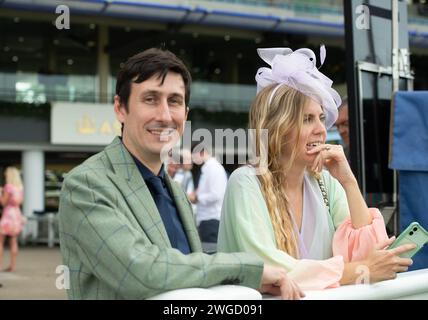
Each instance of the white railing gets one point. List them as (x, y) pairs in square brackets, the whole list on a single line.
[(407, 285)]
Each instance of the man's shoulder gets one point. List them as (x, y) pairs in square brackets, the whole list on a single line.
[(97, 164), (101, 161)]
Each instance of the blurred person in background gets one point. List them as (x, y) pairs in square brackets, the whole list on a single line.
[(184, 173), (209, 195), (342, 125), (172, 167), (12, 221)]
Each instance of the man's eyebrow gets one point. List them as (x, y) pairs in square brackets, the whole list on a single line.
[(149, 92), (176, 94), (157, 93)]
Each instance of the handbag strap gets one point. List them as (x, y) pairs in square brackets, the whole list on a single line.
[(323, 191)]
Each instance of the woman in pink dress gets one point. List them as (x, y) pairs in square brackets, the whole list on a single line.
[(12, 221)]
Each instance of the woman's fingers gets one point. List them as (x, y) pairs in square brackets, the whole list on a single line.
[(401, 269), (403, 248), (329, 151), (291, 291), (287, 292), (296, 292), (300, 292), (404, 262), (325, 153), (385, 243), (321, 147), (392, 275)]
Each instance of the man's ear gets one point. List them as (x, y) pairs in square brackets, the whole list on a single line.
[(119, 109)]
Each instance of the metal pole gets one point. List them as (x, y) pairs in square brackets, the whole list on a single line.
[(395, 47), (395, 88), (361, 121)]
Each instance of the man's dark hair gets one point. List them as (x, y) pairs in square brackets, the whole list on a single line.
[(145, 65)]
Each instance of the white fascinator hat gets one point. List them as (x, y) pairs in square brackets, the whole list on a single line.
[(297, 69)]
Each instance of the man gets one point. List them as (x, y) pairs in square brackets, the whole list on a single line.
[(342, 125), (126, 229), (209, 195), (172, 167), (184, 173)]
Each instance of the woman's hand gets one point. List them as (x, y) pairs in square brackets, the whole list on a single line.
[(384, 264), (276, 282), (334, 159)]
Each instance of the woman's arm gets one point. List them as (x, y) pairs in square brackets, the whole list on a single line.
[(334, 159), (4, 198), (360, 215)]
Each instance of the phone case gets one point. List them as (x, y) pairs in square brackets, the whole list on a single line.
[(414, 233)]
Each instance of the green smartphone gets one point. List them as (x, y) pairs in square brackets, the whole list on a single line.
[(414, 233)]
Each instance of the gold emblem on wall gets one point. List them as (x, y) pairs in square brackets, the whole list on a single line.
[(86, 125), (105, 128)]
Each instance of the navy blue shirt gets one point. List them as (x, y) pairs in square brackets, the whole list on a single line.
[(166, 206)]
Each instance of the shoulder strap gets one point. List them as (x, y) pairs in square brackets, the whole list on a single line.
[(320, 181)]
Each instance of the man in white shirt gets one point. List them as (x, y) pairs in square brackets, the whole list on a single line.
[(184, 174), (209, 195)]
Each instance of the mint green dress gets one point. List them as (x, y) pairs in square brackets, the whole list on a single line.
[(246, 226)]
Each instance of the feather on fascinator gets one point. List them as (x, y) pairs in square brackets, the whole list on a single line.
[(297, 69)]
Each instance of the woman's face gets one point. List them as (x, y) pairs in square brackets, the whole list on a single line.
[(313, 133)]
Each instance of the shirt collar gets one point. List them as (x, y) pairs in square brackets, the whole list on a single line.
[(146, 173)]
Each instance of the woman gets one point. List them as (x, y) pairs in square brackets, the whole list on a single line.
[(11, 221), (290, 211)]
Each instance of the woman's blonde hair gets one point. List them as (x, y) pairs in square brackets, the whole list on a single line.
[(13, 177), (280, 117)]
